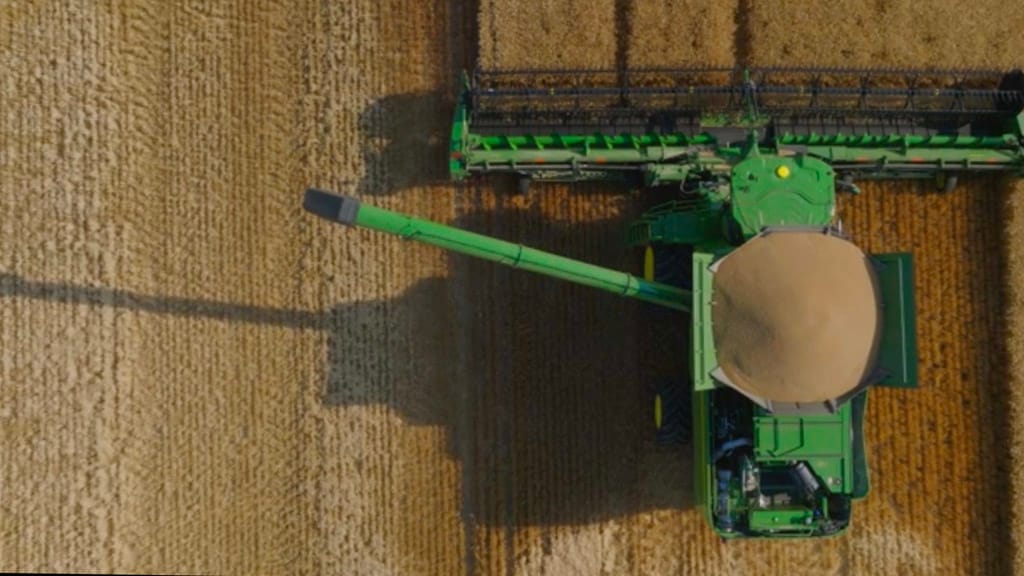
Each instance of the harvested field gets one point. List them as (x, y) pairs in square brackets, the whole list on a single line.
[(680, 32), (571, 34), (1014, 278), (929, 445), (861, 33), (198, 377)]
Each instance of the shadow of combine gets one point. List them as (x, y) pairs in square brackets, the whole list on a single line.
[(538, 383), (543, 401), (404, 142), (535, 381), (991, 284), (541, 384), (404, 138)]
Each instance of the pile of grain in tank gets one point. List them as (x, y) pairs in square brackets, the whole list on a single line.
[(796, 317)]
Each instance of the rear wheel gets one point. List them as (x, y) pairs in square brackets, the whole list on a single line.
[(669, 264), (672, 412), (666, 351)]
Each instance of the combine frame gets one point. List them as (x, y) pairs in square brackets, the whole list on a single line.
[(742, 152)]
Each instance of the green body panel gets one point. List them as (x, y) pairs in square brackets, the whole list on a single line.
[(795, 518), (812, 461), (650, 160), (829, 447), (692, 221), (861, 481), (702, 342), (459, 135), (823, 441), (900, 142), (910, 164), (595, 146), (703, 468), (898, 346), (832, 446), (802, 195), (661, 164)]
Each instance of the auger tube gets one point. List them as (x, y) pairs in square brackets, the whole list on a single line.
[(349, 211)]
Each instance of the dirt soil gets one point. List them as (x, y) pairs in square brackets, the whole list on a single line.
[(196, 377)]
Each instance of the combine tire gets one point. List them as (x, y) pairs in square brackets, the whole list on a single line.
[(672, 418), (665, 330), (670, 264)]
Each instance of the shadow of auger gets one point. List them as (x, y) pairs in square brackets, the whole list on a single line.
[(332, 322), (68, 293)]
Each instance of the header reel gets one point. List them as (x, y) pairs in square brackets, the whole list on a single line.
[(664, 124)]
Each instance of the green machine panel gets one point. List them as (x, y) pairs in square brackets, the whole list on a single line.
[(897, 354), (774, 191), (792, 518), (703, 357), (823, 441)]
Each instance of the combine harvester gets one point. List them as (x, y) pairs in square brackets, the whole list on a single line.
[(790, 323)]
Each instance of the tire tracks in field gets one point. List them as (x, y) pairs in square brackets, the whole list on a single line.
[(464, 431), (743, 46), (463, 35)]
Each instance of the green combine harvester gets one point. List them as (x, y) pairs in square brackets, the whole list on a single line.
[(747, 158)]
